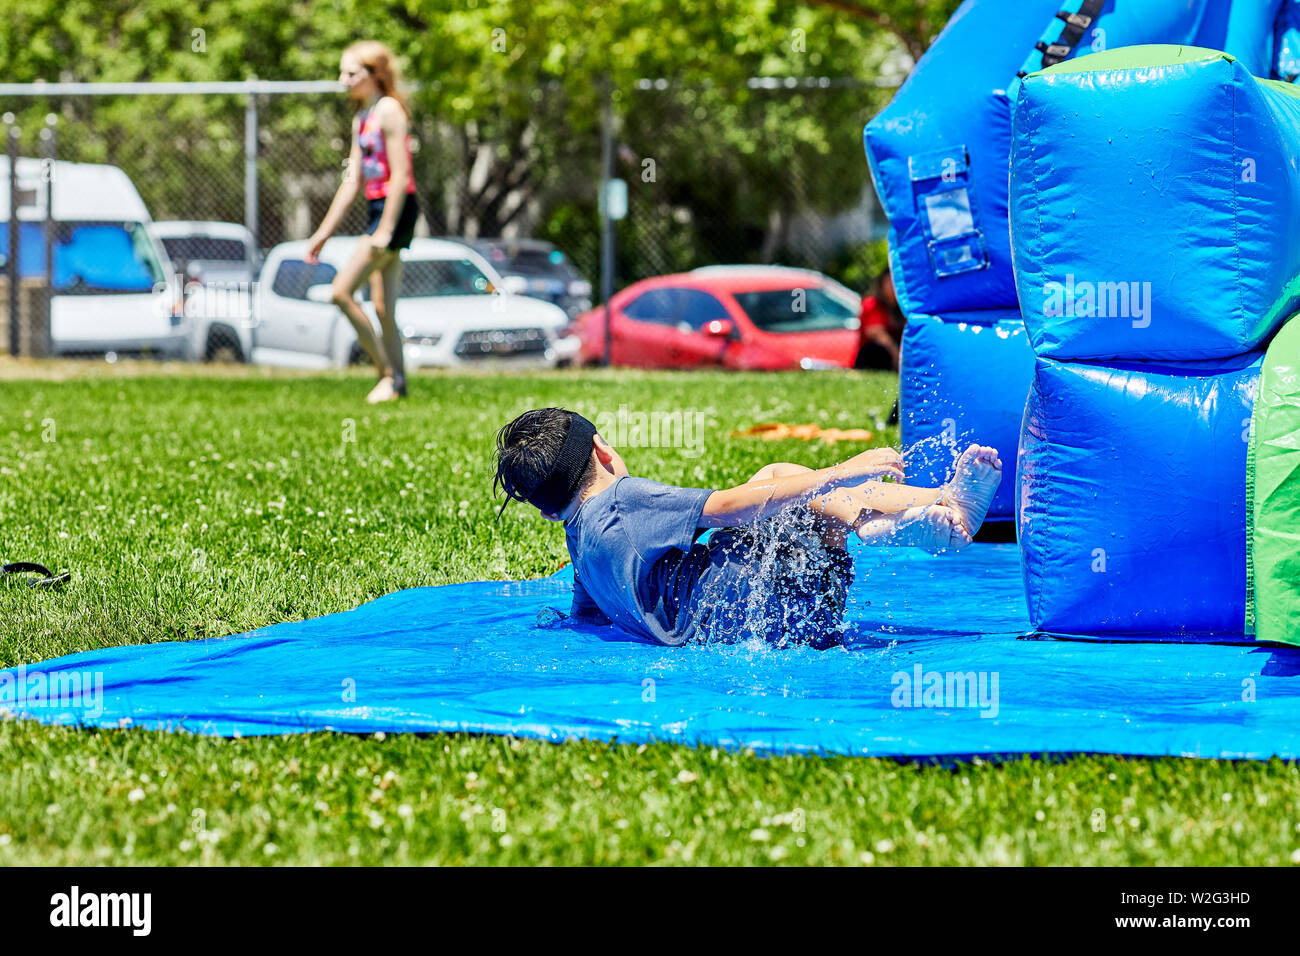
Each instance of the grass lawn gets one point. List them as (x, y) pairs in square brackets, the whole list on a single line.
[(198, 502)]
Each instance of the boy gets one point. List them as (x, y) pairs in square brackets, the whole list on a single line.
[(776, 568)]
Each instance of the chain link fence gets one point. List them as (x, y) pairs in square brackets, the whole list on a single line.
[(772, 172)]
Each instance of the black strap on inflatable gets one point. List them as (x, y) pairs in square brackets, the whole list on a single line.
[(46, 579), (1076, 24)]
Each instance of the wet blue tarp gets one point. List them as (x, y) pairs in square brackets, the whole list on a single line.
[(490, 658)]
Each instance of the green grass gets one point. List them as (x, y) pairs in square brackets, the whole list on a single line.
[(192, 503)]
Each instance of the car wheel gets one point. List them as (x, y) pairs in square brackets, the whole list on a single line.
[(223, 345)]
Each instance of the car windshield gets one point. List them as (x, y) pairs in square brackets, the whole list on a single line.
[(91, 258), (189, 248), (435, 277), (810, 309)]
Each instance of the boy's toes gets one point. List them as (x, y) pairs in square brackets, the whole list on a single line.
[(960, 537), (950, 532)]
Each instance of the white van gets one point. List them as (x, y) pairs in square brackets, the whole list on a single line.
[(113, 284)]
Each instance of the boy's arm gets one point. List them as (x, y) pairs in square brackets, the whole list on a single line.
[(584, 608), (756, 500)]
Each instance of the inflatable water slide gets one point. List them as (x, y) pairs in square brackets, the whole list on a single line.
[(1095, 236)]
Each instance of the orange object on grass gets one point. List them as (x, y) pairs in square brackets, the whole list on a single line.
[(776, 431)]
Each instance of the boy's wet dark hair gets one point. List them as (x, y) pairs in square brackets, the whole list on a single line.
[(531, 448)]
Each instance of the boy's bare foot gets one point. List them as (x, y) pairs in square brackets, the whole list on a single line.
[(383, 391), (932, 527), (979, 472)]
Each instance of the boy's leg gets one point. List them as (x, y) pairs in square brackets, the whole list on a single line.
[(832, 528), (778, 469), (975, 480), (933, 526), (883, 496), (887, 497), (846, 510), (882, 513), (843, 511), (935, 518)]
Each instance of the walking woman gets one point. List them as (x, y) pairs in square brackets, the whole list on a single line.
[(381, 159)]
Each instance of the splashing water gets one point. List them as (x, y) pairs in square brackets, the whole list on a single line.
[(925, 454), (774, 583)]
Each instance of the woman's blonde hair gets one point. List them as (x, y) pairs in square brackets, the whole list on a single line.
[(379, 60)]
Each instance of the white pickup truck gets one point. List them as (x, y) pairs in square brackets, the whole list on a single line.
[(451, 312)]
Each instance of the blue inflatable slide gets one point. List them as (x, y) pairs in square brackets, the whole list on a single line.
[(939, 155), (1112, 191)]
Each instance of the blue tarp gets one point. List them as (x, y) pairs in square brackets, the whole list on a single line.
[(483, 658)]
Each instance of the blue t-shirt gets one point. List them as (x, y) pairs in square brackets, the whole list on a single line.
[(635, 557)]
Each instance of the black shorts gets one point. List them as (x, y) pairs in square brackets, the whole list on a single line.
[(404, 231), (778, 582)]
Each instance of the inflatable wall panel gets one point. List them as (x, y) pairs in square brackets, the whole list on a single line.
[(1273, 565), (939, 151), (1155, 193), (1133, 498)]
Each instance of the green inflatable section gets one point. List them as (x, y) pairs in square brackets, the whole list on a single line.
[(1273, 483)]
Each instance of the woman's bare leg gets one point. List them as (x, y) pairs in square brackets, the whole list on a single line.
[(385, 286), (349, 279)]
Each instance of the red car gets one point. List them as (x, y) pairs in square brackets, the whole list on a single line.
[(738, 317)]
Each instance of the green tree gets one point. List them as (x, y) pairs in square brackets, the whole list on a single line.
[(507, 110)]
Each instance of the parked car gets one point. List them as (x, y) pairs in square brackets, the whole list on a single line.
[(219, 262), (536, 268), (452, 311), (113, 286), (741, 317)]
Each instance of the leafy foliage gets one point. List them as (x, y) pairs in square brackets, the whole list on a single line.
[(507, 111)]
